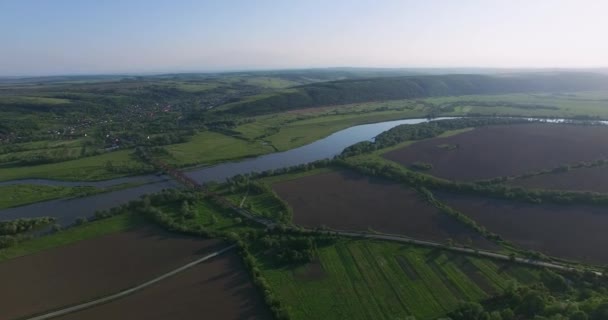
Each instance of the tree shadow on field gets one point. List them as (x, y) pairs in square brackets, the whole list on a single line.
[(234, 283)]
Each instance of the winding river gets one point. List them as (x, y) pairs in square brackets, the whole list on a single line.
[(67, 210)]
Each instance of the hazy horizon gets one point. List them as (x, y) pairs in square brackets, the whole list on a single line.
[(69, 37)]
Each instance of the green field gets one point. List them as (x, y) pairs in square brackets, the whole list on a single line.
[(211, 147), (17, 195), (569, 105), (22, 194), (72, 235), (32, 100), (208, 216), (84, 169), (288, 131), (378, 280)]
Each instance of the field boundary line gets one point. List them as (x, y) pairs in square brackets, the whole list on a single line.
[(129, 291)]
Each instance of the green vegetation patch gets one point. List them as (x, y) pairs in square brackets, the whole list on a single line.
[(356, 279), (211, 147), (17, 195), (106, 166)]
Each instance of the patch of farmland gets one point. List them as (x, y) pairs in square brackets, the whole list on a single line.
[(345, 200), (505, 150), (216, 289), (568, 231), (91, 268), (583, 179), (365, 279)]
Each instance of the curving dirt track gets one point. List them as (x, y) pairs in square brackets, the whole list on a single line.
[(216, 289), (88, 269)]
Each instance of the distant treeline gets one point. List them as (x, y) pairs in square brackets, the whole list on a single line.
[(414, 87)]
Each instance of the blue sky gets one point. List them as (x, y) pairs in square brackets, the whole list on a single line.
[(40, 37)]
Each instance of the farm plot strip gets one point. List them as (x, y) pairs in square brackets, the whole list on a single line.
[(127, 292)]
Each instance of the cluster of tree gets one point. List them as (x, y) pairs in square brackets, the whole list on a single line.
[(281, 212), (421, 166), (324, 163), (430, 198), (278, 309), (14, 231), (499, 191), (290, 249), (413, 87), (18, 226), (559, 169), (539, 302)]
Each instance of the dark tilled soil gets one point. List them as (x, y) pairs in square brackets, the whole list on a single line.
[(508, 150), (573, 232), (348, 201), (216, 289), (583, 179), (82, 271)]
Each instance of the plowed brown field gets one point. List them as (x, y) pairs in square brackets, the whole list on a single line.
[(345, 200), (92, 268), (573, 232), (506, 150), (216, 289)]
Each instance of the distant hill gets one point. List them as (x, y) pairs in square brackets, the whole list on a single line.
[(421, 86)]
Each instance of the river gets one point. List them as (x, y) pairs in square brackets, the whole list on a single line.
[(67, 210)]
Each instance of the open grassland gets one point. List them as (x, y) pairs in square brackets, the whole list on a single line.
[(8, 100), (216, 289), (345, 200), (17, 195), (566, 231), (195, 87), (304, 131), (95, 267), (290, 130), (84, 169), (23, 194), (495, 151), (593, 179), (557, 105), (380, 280), (210, 147)]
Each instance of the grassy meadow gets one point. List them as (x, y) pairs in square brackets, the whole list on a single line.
[(83, 169)]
